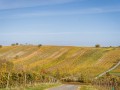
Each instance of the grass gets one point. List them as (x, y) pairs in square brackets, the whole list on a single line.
[(87, 87), (43, 86), (115, 73)]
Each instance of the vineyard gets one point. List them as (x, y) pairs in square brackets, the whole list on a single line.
[(28, 64)]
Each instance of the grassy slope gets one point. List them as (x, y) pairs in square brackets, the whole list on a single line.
[(116, 71), (66, 59), (43, 86)]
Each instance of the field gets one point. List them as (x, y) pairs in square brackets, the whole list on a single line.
[(26, 65), (67, 60)]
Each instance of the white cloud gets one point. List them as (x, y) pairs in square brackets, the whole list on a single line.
[(11, 4), (64, 12)]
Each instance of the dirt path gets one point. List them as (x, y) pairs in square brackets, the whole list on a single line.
[(114, 67), (66, 87)]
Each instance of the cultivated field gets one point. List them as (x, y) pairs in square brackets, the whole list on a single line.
[(67, 60), (36, 64)]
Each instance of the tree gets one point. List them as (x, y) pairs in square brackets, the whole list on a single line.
[(39, 45), (0, 46), (97, 45), (17, 43)]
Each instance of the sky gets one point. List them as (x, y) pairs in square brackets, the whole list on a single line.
[(60, 22)]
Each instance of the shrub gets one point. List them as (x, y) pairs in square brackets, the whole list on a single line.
[(13, 44), (97, 45)]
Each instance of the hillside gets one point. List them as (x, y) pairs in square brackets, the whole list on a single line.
[(67, 60)]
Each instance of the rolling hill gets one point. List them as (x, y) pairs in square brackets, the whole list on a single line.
[(67, 60)]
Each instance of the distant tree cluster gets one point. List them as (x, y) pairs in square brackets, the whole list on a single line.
[(0, 46), (15, 44), (26, 44), (97, 45)]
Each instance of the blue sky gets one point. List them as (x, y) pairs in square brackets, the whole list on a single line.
[(60, 22)]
